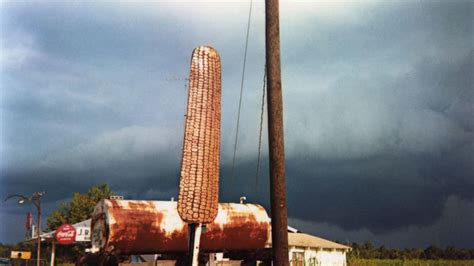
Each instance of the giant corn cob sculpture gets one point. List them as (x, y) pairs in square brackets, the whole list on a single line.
[(199, 181)]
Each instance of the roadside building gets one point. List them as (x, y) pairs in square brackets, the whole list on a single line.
[(311, 250)]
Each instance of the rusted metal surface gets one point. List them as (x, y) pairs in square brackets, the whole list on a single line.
[(199, 182), (151, 227)]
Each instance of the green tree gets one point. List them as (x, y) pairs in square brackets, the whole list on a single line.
[(367, 250), (450, 253), (80, 207), (433, 253), (5, 250)]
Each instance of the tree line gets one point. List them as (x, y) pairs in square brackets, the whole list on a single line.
[(368, 251)]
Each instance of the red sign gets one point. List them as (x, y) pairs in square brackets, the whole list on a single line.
[(29, 221), (66, 234)]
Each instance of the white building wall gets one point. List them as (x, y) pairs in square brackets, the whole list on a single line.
[(331, 258), (319, 257)]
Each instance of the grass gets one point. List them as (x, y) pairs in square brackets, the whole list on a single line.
[(399, 262)]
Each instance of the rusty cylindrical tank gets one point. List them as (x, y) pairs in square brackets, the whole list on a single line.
[(154, 227)]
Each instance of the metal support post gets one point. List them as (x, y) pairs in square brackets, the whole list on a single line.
[(53, 253), (194, 242)]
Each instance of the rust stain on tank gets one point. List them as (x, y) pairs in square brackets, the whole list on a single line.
[(140, 227), (114, 204), (142, 205), (239, 226)]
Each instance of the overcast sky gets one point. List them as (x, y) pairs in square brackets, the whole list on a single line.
[(378, 109)]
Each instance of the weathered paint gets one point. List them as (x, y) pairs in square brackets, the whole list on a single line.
[(149, 227)]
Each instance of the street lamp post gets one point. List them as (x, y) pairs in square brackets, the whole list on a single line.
[(36, 200)]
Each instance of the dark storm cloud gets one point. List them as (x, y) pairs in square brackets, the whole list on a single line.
[(378, 110), (452, 229), (384, 134), (102, 101), (127, 155), (381, 198)]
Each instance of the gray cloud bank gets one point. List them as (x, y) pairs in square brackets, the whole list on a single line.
[(378, 110)]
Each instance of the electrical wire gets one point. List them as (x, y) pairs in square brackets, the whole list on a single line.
[(261, 127), (241, 91)]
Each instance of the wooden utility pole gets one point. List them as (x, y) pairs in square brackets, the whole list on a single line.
[(275, 136)]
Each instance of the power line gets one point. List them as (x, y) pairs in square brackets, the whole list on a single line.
[(261, 127), (241, 91)]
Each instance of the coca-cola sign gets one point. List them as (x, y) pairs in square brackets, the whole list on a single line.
[(65, 234)]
